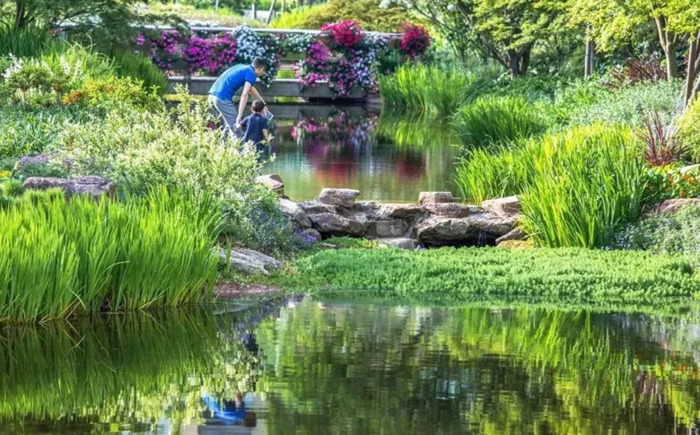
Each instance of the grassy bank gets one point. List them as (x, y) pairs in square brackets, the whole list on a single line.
[(453, 276)]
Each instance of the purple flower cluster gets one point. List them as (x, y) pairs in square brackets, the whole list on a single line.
[(166, 49), (210, 56)]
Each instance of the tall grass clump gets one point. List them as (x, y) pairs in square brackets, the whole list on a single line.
[(489, 121), (426, 88), (585, 183), (25, 42), (141, 69), (79, 257)]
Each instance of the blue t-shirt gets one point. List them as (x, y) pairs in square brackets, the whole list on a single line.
[(254, 126), (232, 80)]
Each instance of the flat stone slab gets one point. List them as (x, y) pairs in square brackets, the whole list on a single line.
[(507, 206), (273, 182), (249, 261), (448, 209), (435, 197), (400, 210), (330, 224), (339, 197), (673, 205), (399, 242), (387, 228)]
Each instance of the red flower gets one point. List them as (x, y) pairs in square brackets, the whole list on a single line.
[(344, 33), (415, 41)]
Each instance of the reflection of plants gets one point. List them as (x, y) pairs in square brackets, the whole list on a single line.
[(340, 129), (420, 131)]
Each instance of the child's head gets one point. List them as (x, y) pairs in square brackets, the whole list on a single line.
[(258, 106)]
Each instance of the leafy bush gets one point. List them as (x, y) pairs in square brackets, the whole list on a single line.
[(677, 232), (23, 133), (451, 275), (366, 12), (62, 258), (489, 121), (671, 181), (689, 129), (142, 69)]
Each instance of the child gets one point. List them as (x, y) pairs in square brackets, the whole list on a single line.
[(256, 126)]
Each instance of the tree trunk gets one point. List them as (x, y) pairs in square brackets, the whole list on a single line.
[(668, 41), (589, 59), (693, 70), (20, 14), (271, 13)]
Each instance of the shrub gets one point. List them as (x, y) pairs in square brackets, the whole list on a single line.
[(108, 92), (415, 41), (678, 232), (662, 148), (490, 121), (689, 129), (142, 69), (23, 133), (586, 183), (63, 258), (366, 12), (671, 181)]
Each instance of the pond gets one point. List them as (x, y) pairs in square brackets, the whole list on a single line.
[(387, 157), (299, 365)]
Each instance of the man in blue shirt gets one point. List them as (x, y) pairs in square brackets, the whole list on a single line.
[(227, 85)]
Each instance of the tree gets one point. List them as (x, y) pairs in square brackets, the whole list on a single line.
[(675, 21), (503, 30)]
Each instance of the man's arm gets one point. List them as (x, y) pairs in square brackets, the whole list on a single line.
[(256, 94), (244, 102)]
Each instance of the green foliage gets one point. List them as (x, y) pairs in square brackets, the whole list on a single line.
[(489, 121), (670, 182), (677, 232), (26, 42), (12, 188), (140, 68), (689, 129), (456, 275), (23, 133), (65, 258), (366, 12), (586, 183)]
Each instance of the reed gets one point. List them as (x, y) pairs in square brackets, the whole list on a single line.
[(489, 121), (80, 257)]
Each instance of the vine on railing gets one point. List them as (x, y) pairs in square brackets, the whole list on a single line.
[(342, 54)]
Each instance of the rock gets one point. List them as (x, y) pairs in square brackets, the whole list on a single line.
[(91, 185), (398, 242), (514, 234), (492, 225), (516, 244), (508, 206), (400, 211), (446, 231), (673, 205), (47, 160), (387, 228), (340, 197), (435, 197), (690, 168), (312, 233), (448, 209), (273, 182), (330, 224), (296, 215), (315, 207), (249, 261)]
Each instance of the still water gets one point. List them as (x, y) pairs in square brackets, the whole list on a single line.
[(306, 366), (386, 157)]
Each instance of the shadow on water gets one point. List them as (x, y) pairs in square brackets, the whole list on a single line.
[(388, 157), (305, 366)]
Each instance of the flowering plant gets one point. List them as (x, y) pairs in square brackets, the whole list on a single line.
[(212, 55), (415, 40), (344, 34), (166, 50), (671, 182)]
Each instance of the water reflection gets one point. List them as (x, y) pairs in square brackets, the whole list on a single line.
[(387, 157), (302, 366)]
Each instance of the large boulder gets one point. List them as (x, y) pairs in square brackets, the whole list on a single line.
[(448, 209), (296, 215), (389, 228), (481, 229), (91, 185), (273, 182), (400, 211), (249, 261), (435, 197), (492, 225), (316, 207), (330, 224), (340, 197), (508, 206)]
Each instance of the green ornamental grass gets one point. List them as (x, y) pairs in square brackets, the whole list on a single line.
[(83, 256)]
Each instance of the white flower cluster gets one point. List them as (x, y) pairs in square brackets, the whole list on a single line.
[(16, 65), (298, 43), (249, 43)]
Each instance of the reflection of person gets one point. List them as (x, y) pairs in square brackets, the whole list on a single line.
[(222, 92), (231, 412), (256, 127)]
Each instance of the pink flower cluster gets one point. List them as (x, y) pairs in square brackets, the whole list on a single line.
[(164, 50), (344, 33), (415, 41), (210, 56)]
